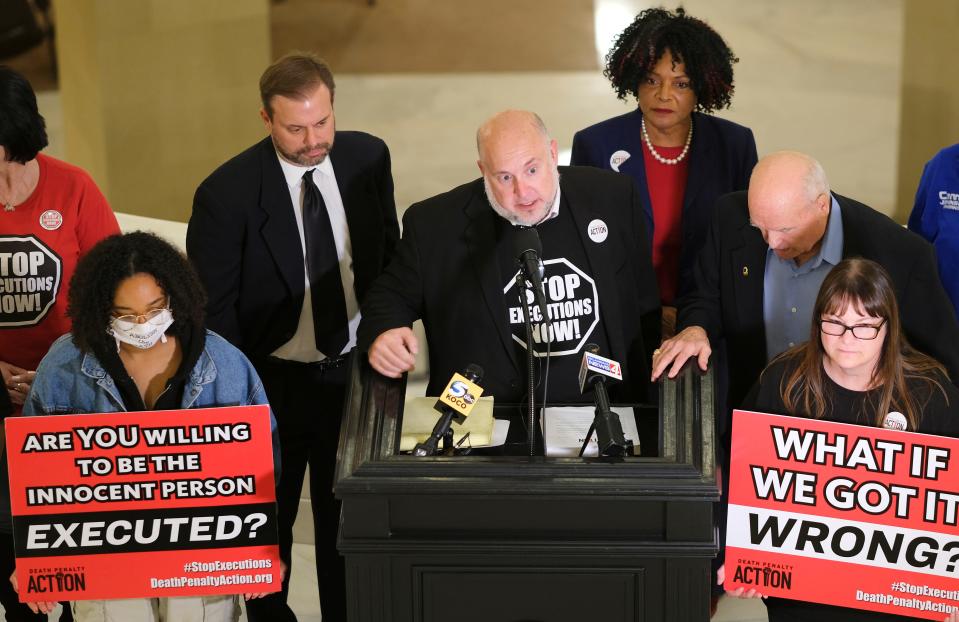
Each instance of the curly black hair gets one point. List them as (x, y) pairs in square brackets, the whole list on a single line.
[(23, 131), (118, 257), (708, 60)]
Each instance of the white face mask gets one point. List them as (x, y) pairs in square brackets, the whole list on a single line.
[(144, 335)]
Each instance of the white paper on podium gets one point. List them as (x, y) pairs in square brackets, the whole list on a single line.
[(419, 417), (565, 427), (500, 430)]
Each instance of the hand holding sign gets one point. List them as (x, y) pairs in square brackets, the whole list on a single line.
[(739, 592), (17, 380), (283, 570), (39, 606)]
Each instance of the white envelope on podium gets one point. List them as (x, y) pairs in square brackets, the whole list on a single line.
[(419, 417), (565, 427)]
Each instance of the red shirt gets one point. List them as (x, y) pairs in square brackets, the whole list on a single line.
[(667, 186), (40, 243)]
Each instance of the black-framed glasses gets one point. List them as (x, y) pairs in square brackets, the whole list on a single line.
[(859, 331)]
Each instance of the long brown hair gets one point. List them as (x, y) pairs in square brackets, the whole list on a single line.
[(866, 285)]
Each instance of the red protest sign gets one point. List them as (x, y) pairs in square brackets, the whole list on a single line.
[(845, 515), (145, 504)]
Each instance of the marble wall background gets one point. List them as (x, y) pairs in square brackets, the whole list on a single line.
[(819, 76)]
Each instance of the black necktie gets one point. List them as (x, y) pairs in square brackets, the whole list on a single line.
[(323, 268)]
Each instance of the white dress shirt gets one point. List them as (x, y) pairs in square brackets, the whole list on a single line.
[(302, 347)]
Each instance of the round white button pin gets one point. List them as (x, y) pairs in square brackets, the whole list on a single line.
[(618, 158), (597, 230)]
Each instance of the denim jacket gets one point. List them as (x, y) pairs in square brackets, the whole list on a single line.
[(69, 381)]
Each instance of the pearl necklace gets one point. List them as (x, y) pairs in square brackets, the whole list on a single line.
[(659, 158)]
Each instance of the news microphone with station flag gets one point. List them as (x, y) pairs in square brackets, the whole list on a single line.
[(454, 404), (596, 371), (596, 368), (527, 249)]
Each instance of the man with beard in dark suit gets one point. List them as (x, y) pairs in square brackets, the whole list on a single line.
[(456, 266), (287, 238)]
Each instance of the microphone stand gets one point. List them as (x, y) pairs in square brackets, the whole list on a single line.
[(530, 365), (609, 430), (441, 430)]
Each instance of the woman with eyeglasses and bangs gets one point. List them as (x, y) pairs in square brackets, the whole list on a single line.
[(139, 343), (858, 368)]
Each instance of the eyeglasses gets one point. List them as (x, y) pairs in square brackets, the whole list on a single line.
[(859, 331), (150, 317)]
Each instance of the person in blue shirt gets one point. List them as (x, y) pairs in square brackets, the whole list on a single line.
[(139, 343), (935, 215)]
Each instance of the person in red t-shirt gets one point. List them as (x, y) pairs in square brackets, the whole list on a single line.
[(51, 213)]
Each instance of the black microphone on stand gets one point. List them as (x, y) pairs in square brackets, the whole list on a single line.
[(527, 249), (596, 371), (455, 403)]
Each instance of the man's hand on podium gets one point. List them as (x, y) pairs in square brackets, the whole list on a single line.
[(690, 342), (393, 353)]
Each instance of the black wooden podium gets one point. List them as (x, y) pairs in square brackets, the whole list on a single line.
[(499, 538)]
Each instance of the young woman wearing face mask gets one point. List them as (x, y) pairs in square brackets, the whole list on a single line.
[(138, 343)]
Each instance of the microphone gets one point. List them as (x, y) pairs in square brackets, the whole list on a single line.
[(527, 248), (455, 403), (595, 371)]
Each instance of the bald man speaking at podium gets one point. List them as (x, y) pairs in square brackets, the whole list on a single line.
[(456, 264)]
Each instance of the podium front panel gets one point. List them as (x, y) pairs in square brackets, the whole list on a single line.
[(517, 538)]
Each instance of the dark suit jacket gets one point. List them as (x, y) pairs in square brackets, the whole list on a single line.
[(721, 158), (729, 303), (244, 242), (446, 271)]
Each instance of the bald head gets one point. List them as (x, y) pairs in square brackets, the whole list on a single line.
[(518, 161), (789, 172), (509, 122), (789, 203)]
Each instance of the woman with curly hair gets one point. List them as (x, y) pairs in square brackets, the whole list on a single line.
[(138, 343), (858, 368), (683, 159)]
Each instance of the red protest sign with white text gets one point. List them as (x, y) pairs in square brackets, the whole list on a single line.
[(846, 515), (145, 504)]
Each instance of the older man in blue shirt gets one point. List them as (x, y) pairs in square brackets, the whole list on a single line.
[(768, 251), (789, 290), (766, 254)]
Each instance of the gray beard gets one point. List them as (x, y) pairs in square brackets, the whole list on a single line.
[(514, 218), (300, 158)]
